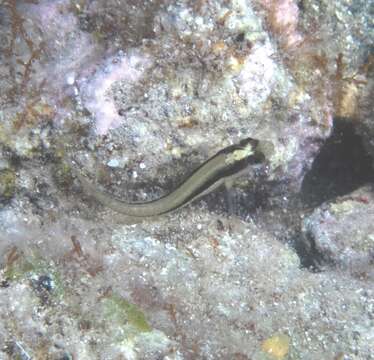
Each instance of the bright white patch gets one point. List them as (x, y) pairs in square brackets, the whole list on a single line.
[(240, 154), (70, 79), (113, 163)]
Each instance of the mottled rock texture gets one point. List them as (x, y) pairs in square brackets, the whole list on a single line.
[(341, 233), (139, 93)]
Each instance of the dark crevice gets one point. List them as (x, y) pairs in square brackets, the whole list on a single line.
[(310, 257), (341, 166)]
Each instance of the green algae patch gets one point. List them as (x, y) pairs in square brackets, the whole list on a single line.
[(32, 268), (345, 207), (7, 184), (4, 133), (62, 174), (119, 310)]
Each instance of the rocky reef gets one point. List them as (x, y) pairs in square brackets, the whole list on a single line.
[(135, 95)]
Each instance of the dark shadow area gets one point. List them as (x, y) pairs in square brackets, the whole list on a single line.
[(342, 166), (310, 257)]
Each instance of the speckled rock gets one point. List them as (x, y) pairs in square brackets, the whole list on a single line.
[(220, 288), (350, 41), (342, 230), (220, 69), (138, 93), (365, 126)]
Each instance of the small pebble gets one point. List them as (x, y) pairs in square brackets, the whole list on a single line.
[(113, 163), (70, 79)]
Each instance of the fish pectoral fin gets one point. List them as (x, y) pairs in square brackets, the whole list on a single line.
[(229, 195)]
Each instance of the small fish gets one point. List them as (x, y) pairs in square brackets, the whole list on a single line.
[(218, 170)]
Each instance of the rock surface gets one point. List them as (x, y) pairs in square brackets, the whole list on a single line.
[(139, 93), (341, 233)]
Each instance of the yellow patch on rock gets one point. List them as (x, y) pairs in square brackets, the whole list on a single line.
[(276, 346)]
